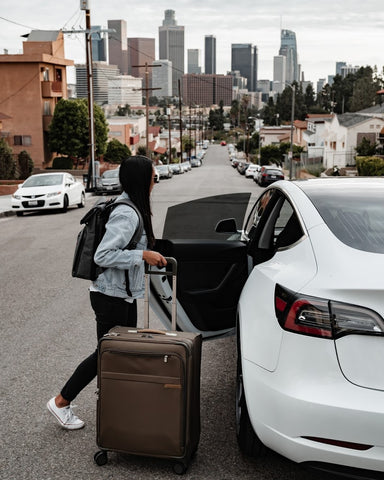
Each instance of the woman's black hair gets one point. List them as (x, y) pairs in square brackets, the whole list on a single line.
[(135, 177)]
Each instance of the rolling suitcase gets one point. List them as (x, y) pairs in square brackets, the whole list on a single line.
[(149, 389)]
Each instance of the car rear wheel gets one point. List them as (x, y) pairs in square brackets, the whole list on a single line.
[(248, 441)]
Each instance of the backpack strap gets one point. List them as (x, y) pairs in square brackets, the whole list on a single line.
[(140, 227)]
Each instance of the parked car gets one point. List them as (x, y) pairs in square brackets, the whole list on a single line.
[(109, 182), (157, 174), (48, 191), (186, 166), (252, 168), (165, 171), (302, 287), (268, 175), (195, 162), (242, 167), (176, 168), (223, 143)]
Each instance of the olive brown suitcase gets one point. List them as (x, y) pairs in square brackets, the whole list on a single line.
[(149, 389)]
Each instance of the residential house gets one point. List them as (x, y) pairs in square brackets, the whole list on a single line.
[(127, 130), (31, 85), (344, 132), (313, 136), (274, 135)]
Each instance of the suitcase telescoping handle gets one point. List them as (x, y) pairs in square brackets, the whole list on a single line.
[(170, 270)]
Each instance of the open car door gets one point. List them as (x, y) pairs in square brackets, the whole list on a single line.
[(212, 267)]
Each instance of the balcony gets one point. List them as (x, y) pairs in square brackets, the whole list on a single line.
[(52, 89)]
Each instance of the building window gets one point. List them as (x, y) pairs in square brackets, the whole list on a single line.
[(47, 108), (22, 140), (46, 75), (58, 74), (333, 145)]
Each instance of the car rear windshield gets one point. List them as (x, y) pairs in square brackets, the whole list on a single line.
[(355, 216), (111, 173), (43, 180), (273, 172)]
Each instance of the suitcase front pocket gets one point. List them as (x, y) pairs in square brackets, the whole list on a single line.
[(141, 403)]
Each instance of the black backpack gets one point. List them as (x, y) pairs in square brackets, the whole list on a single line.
[(90, 236)]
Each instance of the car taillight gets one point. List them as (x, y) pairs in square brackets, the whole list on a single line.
[(320, 317)]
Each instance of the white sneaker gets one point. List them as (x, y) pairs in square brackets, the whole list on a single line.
[(65, 416)]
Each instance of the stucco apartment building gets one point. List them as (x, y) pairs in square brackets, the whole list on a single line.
[(31, 85)]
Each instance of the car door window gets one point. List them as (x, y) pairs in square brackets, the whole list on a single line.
[(280, 228), (256, 214)]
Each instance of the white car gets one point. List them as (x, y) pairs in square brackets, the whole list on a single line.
[(251, 170), (47, 191), (302, 283)]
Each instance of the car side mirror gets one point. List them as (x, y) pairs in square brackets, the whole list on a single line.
[(227, 225)]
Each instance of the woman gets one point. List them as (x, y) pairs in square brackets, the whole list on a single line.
[(109, 298)]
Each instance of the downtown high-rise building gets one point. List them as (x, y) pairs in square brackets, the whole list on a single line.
[(171, 47), (118, 45), (207, 90), (193, 59), (99, 44), (245, 60), (288, 48), (210, 54), (279, 73), (141, 51)]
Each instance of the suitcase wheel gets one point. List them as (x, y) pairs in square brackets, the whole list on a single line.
[(101, 458), (179, 468)]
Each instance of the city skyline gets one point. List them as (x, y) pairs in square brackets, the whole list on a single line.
[(326, 33)]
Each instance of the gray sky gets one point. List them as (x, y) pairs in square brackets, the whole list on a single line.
[(326, 31)]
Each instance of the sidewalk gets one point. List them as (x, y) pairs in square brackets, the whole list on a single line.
[(5, 206)]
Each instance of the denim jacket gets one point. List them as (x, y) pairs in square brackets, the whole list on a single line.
[(111, 255)]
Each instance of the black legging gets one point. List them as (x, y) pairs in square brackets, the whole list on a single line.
[(110, 312)]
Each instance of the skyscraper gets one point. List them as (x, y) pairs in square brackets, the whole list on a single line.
[(118, 48), (288, 48), (279, 72), (171, 47), (99, 44), (244, 59), (194, 60), (210, 54), (141, 51)]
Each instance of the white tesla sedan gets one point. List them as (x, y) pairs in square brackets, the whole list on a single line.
[(48, 191), (304, 287)]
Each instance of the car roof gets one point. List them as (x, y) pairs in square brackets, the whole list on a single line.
[(335, 184)]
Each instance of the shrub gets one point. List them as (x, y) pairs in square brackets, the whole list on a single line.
[(7, 163), (25, 165), (116, 152), (370, 166), (62, 163)]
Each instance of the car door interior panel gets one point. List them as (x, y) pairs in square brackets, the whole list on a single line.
[(210, 277)]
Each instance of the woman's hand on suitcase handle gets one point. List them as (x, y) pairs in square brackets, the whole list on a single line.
[(154, 258)]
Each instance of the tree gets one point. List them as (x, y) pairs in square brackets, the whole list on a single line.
[(25, 164), (116, 151), (69, 131), (7, 163), (142, 151), (188, 144), (123, 111), (366, 148)]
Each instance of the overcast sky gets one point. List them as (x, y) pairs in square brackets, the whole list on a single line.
[(326, 30)]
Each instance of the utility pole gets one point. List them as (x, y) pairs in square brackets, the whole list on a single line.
[(147, 90), (84, 5), (169, 135), (292, 120), (181, 123), (190, 132)]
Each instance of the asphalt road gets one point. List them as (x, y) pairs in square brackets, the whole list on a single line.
[(47, 327)]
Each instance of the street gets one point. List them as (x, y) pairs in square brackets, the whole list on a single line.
[(47, 328)]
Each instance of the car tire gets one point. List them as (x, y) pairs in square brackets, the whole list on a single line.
[(19, 214), (248, 441), (82, 201), (65, 204)]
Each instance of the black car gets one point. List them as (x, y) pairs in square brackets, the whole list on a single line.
[(268, 175)]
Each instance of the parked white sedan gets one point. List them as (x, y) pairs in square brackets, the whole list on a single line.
[(304, 287), (47, 191)]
